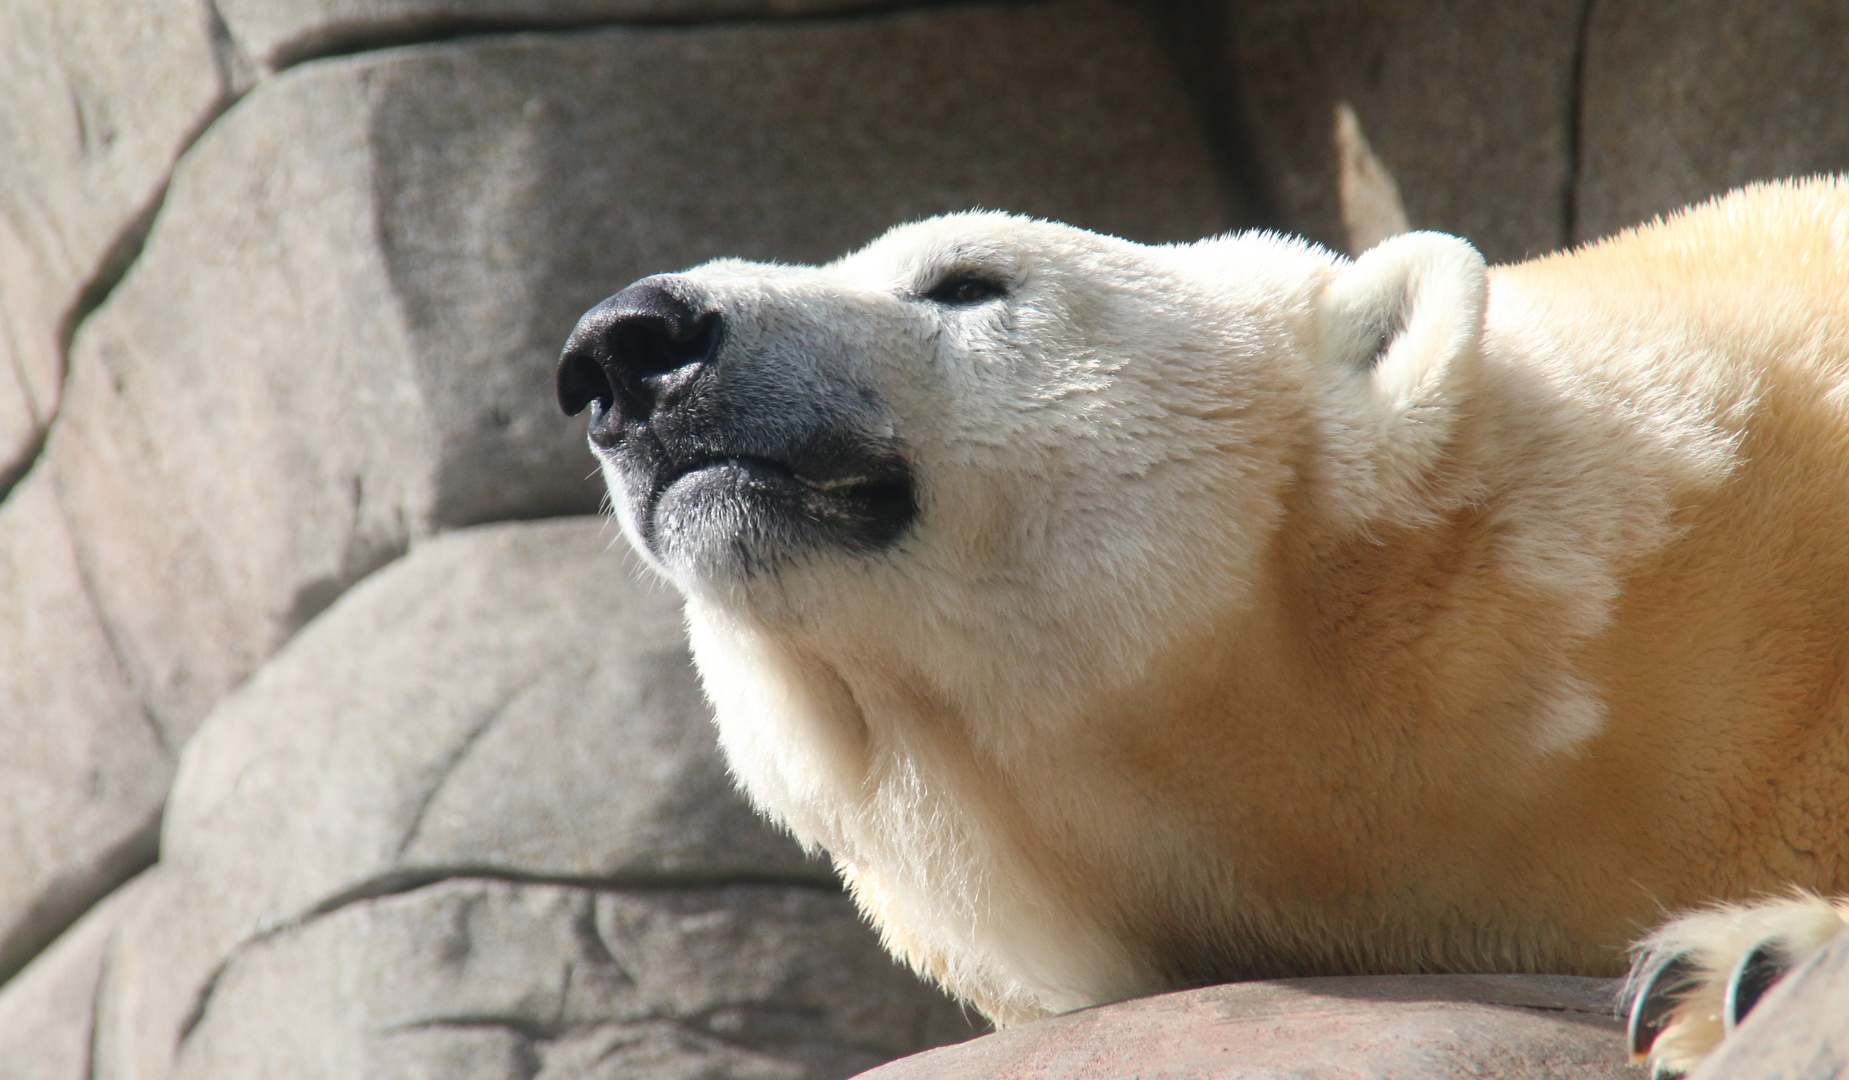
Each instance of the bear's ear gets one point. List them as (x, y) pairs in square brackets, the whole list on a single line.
[(1399, 329), (1404, 310)]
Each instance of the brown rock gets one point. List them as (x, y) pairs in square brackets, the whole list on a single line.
[(341, 334), (1688, 100), (1414, 1027), (1467, 104)]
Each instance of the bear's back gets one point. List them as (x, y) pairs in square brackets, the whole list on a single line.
[(1758, 279)]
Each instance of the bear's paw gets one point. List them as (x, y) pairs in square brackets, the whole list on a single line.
[(1696, 978)]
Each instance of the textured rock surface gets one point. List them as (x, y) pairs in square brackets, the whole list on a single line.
[(1797, 1030), (501, 980), (1420, 1027), (1468, 105), (423, 704), (83, 772), (100, 98), (31, 361), (393, 247), (48, 1013), (1688, 100), (512, 702), (220, 503), (277, 33)]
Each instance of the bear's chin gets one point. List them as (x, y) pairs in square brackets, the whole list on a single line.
[(746, 517)]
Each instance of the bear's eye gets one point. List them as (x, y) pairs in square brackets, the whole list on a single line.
[(965, 288)]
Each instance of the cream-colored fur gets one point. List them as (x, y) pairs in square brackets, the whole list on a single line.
[(1274, 614)]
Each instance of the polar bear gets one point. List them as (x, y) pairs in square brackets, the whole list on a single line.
[(1121, 618)]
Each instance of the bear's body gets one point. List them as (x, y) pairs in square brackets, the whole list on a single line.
[(1125, 618)]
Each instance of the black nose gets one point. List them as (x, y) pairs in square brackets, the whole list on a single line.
[(648, 329)]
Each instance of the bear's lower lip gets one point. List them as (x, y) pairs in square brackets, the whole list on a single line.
[(762, 467), (751, 513), (770, 486)]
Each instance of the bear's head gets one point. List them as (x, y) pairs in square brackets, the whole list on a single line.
[(984, 413), (989, 466)]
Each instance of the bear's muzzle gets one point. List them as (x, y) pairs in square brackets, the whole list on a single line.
[(730, 451)]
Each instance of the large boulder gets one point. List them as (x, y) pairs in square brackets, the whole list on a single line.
[(1468, 105), (84, 770), (1688, 100), (512, 697), (100, 98), (480, 798), (497, 980), (1408, 1027), (341, 333)]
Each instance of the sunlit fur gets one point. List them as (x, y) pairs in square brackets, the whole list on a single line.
[(1230, 643)]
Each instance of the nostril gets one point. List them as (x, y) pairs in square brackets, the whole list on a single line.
[(647, 343), (647, 330), (582, 381)]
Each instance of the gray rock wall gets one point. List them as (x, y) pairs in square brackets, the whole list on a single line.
[(315, 769), (1468, 104), (100, 100), (1687, 100)]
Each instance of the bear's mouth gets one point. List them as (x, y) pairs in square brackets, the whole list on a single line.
[(756, 509), (870, 490), (756, 463)]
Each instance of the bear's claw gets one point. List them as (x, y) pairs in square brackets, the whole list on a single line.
[(1748, 982), (1656, 994), (1664, 986)]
